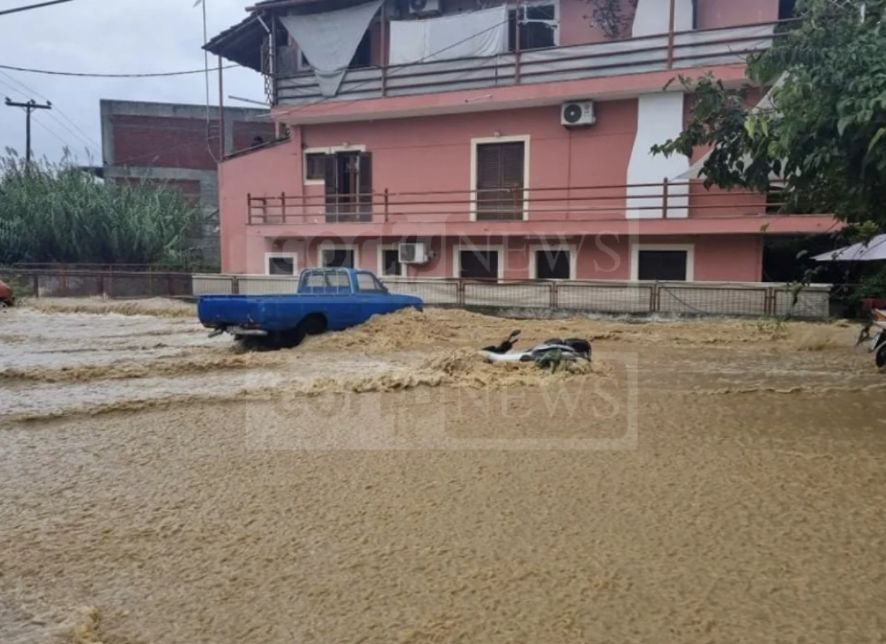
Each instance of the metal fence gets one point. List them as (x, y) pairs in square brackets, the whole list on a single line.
[(676, 298), (56, 282)]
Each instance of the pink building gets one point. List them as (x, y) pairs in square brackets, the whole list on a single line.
[(433, 138)]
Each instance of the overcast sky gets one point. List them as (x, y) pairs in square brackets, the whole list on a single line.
[(108, 36)]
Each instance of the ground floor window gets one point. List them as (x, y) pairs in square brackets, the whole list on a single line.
[(337, 257), (664, 263), (553, 264), (280, 264), (479, 264), (389, 262)]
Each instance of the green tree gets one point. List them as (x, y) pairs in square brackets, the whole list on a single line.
[(59, 213), (824, 133)]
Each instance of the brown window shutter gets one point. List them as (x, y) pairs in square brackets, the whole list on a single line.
[(365, 179), (330, 178), (500, 180)]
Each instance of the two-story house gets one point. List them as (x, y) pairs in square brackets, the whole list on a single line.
[(507, 141)]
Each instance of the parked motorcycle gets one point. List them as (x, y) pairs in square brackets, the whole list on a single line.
[(874, 335)]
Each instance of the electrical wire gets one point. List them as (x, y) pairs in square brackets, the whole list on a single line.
[(188, 72), (71, 126)]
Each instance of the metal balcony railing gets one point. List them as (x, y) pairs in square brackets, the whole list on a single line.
[(668, 199), (671, 50)]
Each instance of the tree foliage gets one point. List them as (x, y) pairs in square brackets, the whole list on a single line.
[(59, 213), (824, 133), (613, 17)]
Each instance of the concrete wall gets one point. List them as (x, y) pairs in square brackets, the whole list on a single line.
[(171, 145)]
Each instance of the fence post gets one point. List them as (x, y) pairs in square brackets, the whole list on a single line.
[(460, 293), (553, 295), (235, 285), (654, 298), (769, 305), (36, 281)]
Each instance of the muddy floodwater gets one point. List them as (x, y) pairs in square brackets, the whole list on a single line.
[(700, 481)]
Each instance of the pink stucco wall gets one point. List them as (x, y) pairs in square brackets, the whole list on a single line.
[(729, 13), (599, 257)]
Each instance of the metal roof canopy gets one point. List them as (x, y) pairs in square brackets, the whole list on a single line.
[(872, 251)]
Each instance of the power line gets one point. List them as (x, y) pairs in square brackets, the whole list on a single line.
[(69, 123), (32, 6), (49, 72), (30, 106)]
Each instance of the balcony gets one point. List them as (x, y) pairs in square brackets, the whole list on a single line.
[(670, 207), (675, 50)]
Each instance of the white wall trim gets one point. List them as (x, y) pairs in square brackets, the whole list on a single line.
[(573, 257), (292, 256), (380, 263), (690, 257), (525, 139), (334, 246), (458, 248), (324, 150)]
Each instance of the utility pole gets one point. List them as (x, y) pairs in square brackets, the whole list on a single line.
[(29, 107)]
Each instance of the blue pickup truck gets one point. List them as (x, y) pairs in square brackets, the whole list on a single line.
[(328, 299)]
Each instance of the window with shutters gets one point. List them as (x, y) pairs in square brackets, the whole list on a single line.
[(348, 182), (500, 180)]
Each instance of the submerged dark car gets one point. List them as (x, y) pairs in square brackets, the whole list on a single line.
[(7, 298)]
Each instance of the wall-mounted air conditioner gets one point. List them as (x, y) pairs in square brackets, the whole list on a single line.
[(414, 253), (423, 7), (577, 114)]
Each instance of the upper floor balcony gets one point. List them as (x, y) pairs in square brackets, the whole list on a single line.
[(667, 208), (399, 52)]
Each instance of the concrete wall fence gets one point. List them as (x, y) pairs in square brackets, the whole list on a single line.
[(616, 297), (613, 297)]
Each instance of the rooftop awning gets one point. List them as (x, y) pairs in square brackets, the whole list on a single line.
[(871, 251), (241, 43)]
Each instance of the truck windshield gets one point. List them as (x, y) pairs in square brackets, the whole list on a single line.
[(367, 283)]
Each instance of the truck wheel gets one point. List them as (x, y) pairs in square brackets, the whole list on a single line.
[(290, 338), (880, 357)]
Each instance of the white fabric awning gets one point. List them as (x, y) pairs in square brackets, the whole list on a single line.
[(329, 40), (872, 251), (450, 37)]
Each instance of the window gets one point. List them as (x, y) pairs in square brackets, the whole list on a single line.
[(367, 283), (478, 264), (390, 263), (500, 180), (348, 181), (315, 166), (326, 279), (667, 265), (337, 258), (537, 27), (786, 9), (553, 264), (280, 263)]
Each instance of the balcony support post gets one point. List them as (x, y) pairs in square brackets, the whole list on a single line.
[(387, 204), (384, 52), (517, 46), (283, 206), (664, 201), (671, 23)]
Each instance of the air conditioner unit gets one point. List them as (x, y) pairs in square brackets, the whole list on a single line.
[(577, 114), (416, 253), (423, 7)]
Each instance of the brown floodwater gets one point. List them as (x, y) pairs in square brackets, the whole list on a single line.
[(702, 481)]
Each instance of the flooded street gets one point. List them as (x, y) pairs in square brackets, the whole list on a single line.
[(703, 481)]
